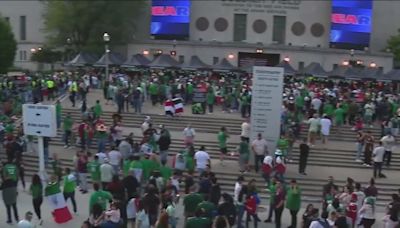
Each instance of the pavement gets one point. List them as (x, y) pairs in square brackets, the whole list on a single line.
[(24, 199)]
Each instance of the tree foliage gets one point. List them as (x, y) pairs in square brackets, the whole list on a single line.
[(8, 46), (85, 22), (46, 55), (394, 45)]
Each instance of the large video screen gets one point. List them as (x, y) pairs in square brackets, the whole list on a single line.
[(351, 23), (170, 19)]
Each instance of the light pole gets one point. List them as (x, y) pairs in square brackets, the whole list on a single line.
[(106, 39)]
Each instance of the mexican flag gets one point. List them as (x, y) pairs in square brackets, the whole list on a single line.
[(56, 200)]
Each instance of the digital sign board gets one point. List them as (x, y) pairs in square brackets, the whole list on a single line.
[(170, 19), (351, 22)]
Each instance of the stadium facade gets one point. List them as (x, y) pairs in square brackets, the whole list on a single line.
[(304, 31)]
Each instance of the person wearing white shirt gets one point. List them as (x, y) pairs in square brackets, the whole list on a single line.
[(115, 158), (101, 155), (189, 134), (202, 159), (378, 154), (316, 104), (326, 124), (321, 222), (146, 124), (26, 222), (388, 143), (106, 173), (245, 131), (259, 148)]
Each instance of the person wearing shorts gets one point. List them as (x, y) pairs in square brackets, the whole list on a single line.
[(222, 138)]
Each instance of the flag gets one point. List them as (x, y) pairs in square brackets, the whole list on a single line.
[(57, 203), (178, 105), (169, 107)]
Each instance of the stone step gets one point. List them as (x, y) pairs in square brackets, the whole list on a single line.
[(311, 188)]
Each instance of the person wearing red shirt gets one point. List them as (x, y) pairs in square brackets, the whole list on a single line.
[(251, 209), (351, 210)]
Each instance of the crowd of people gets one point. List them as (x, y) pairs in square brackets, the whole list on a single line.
[(135, 185)]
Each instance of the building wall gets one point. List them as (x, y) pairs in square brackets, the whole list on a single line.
[(35, 37), (385, 23), (314, 15), (308, 13), (208, 50)]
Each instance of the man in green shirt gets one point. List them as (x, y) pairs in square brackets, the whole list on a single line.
[(210, 100), (99, 197), (244, 155), (208, 208), (198, 221), (69, 188), (190, 203), (272, 191), (293, 201), (166, 172), (149, 164), (339, 117), (153, 90), (98, 110), (67, 127), (10, 171), (58, 113), (222, 138), (94, 169), (137, 168)]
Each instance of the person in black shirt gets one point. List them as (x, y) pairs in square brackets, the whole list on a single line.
[(228, 209), (215, 192), (131, 184), (151, 201), (304, 151)]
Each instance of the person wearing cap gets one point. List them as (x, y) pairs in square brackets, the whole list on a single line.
[(101, 136), (106, 173), (27, 221)]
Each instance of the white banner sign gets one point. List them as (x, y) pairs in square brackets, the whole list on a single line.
[(39, 120), (266, 104)]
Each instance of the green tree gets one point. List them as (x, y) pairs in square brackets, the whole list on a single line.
[(8, 46), (46, 55), (394, 45), (85, 22)]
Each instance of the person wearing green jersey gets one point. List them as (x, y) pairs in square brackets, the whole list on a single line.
[(222, 138), (328, 109), (208, 207), (244, 155), (137, 168), (98, 110), (198, 221), (166, 172), (99, 197), (58, 113), (210, 100), (283, 145), (10, 171), (189, 93), (126, 165), (94, 169), (293, 201), (36, 190), (189, 158), (153, 90), (190, 203), (69, 188), (272, 192), (67, 127), (339, 117), (56, 165)]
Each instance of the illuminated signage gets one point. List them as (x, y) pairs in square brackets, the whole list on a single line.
[(170, 19), (351, 23), (170, 11), (339, 18)]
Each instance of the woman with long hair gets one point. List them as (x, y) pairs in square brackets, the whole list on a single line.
[(162, 221), (368, 212), (36, 190)]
